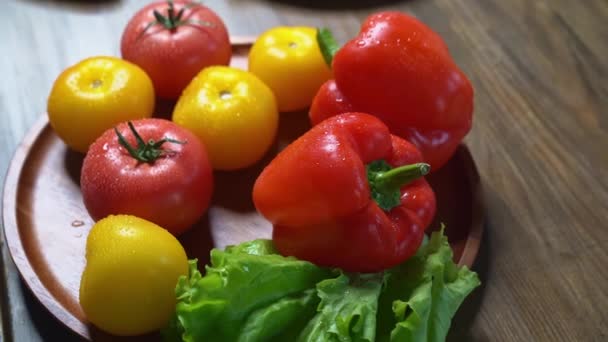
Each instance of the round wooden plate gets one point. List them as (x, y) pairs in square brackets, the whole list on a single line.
[(46, 223)]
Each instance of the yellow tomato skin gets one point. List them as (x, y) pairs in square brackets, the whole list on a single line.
[(128, 284), (233, 112), (289, 60), (94, 95)]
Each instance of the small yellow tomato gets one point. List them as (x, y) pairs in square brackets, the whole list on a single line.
[(128, 284), (233, 112), (289, 60), (94, 95)]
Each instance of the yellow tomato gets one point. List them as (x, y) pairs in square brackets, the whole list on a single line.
[(289, 60), (128, 285), (96, 94), (232, 112)]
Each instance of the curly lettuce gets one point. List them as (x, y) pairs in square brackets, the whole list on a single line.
[(251, 293)]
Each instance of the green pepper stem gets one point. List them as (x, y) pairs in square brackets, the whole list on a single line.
[(400, 176), (328, 45)]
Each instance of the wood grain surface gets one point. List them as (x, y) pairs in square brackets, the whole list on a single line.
[(540, 141)]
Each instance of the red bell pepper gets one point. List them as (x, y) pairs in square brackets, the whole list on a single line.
[(347, 194), (399, 70)]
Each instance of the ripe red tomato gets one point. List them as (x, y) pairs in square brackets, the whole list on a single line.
[(164, 176), (173, 40)]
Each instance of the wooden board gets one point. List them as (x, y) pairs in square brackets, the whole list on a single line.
[(46, 224)]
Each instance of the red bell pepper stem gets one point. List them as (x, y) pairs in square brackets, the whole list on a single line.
[(400, 176), (327, 44), (385, 182)]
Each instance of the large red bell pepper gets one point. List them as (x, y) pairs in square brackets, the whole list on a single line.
[(335, 199), (399, 70)]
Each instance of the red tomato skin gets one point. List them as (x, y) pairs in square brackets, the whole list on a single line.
[(173, 57), (174, 191)]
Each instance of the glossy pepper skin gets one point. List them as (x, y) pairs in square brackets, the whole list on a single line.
[(401, 71), (317, 195)]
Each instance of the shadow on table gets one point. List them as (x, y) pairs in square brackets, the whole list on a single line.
[(465, 316), (83, 5), (48, 328), (338, 4)]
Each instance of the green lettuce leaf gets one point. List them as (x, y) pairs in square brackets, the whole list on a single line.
[(251, 293), (347, 311), (244, 284), (282, 320), (422, 295)]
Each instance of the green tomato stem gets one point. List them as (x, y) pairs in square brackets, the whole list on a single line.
[(174, 20), (144, 152)]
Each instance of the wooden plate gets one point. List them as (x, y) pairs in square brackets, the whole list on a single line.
[(46, 224)]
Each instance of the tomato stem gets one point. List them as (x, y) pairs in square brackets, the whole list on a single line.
[(174, 20), (144, 152)]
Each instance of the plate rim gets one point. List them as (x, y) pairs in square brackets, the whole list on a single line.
[(12, 236), (473, 241)]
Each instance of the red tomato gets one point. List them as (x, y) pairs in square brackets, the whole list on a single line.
[(164, 177), (174, 40)]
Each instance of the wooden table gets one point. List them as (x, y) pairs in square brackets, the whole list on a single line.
[(540, 140)]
